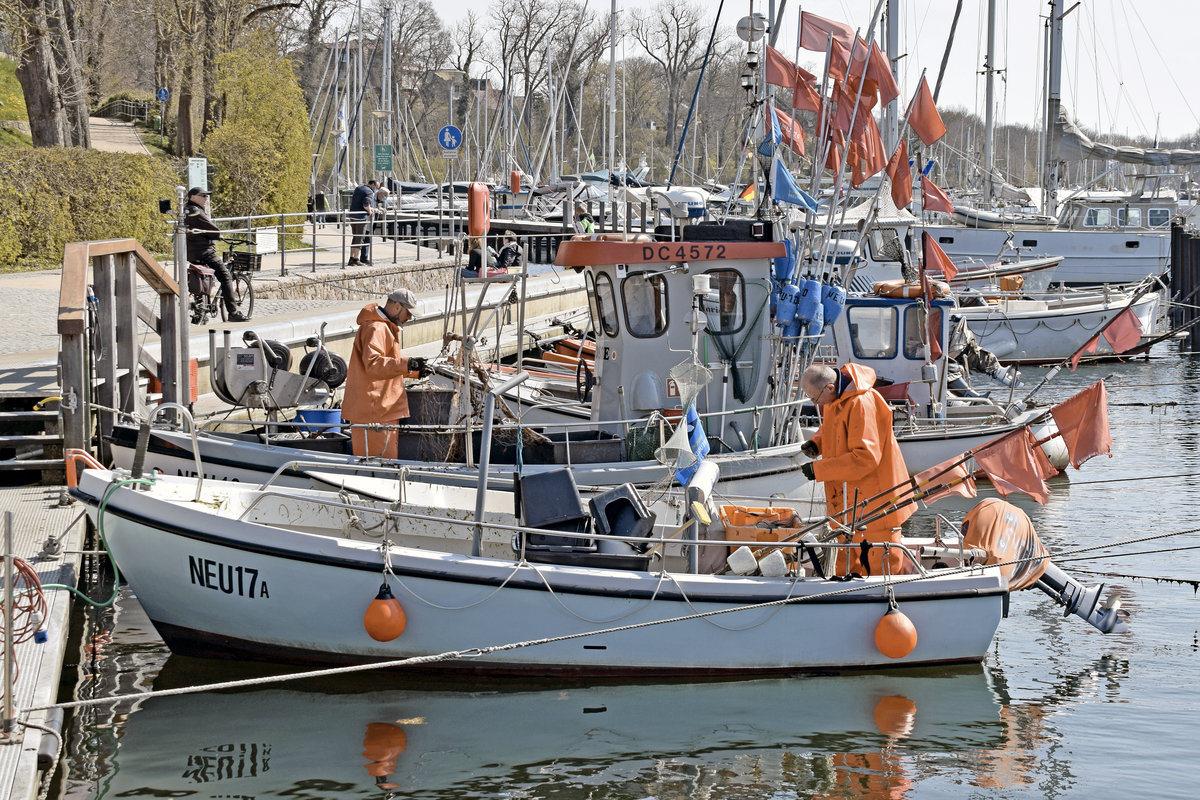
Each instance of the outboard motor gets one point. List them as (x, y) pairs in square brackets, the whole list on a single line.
[(1006, 534)]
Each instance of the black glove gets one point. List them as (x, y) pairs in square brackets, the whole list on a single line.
[(807, 469), (417, 364), (810, 449)]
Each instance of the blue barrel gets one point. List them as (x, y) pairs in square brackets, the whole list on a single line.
[(785, 310), (808, 300), (833, 300), (783, 266), (817, 324)]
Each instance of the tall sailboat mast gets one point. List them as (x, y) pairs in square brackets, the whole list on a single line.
[(1053, 102)]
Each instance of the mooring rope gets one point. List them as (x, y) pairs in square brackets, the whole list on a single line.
[(476, 652)]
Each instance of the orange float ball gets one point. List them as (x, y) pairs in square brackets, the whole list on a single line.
[(895, 635), (384, 619)]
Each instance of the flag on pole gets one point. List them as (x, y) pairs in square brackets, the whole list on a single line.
[(933, 198), (945, 479), (1124, 332), (1010, 465), (936, 258), (923, 116), (1082, 420), (786, 190), (901, 176)]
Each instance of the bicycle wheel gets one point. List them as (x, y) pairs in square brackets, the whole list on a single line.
[(243, 296)]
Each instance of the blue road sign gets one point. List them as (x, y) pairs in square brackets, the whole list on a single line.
[(450, 138), (162, 95)]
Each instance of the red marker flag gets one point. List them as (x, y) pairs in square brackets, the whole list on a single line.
[(936, 258), (933, 198), (1082, 421)]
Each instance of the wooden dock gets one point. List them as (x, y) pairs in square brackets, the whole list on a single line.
[(49, 536)]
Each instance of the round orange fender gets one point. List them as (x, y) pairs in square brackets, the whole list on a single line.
[(514, 182), (479, 209)]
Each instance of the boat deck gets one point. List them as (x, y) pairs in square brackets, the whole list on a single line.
[(36, 517)]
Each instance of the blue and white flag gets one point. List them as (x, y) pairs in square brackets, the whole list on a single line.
[(697, 443), (786, 190), (340, 125)]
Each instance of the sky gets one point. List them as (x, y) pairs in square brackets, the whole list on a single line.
[(1126, 63)]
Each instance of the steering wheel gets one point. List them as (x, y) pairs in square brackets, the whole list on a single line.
[(584, 381)]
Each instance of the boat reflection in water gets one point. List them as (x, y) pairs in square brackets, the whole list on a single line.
[(633, 739)]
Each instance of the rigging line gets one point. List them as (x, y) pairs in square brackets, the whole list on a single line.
[(1195, 584), (695, 95), (1155, 552), (1182, 95)]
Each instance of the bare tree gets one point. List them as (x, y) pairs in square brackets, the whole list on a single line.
[(674, 34), (48, 70)]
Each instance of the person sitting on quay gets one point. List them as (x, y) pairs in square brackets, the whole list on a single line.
[(509, 256)]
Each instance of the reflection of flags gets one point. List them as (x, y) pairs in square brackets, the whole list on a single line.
[(940, 484), (1082, 421), (936, 258), (697, 442), (933, 198), (1011, 466), (923, 116)]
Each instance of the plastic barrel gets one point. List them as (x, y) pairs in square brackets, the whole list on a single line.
[(817, 324), (320, 420), (785, 310), (808, 300), (833, 300)]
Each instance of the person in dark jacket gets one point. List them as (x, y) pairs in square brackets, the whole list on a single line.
[(202, 236), (362, 209), (510, 253)]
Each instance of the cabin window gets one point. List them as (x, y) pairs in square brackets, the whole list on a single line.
[(1097, 218), (645, 296), (604, 312), (885, 245), (872, 331), (1158, 217), (914, 344), (1129, 217), (727, 313)]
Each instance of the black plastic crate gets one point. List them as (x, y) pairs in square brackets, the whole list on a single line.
[(246, 262)]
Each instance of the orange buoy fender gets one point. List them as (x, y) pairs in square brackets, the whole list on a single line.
[(514, 182), (384, 619), (479, 209), (895, 635)]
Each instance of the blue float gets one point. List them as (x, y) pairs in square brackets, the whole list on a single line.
[(808, 299), (785, 310), (783, 266), (816, 325), (833, 301)]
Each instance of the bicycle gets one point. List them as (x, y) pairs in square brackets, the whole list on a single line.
[(205, 296)]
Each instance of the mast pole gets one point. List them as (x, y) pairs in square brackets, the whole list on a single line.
[(1053, 102), (891, 123), (989, 126), (612, 109)]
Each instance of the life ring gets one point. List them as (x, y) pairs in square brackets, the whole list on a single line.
[(898, 288)]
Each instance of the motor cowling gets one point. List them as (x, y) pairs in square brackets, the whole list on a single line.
[(1006, 534)]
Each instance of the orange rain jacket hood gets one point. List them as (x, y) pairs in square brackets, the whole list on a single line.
[(859, 450), (375, 374)]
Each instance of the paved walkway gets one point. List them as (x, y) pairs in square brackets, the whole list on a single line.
[(115, 136)]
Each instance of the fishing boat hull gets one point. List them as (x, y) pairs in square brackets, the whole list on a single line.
[(1034, 332), (217, 586)]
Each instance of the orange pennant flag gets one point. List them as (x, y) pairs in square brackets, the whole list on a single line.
[(780, 69), (936, 258), (901, 176), (1082, 420), (1124, 332), (880, 71), (815, 31), (923, 116), (805, 96), (945, 480), (933, 198), (1045, 468), (1010, 465), (792, 133), (1087, 349)]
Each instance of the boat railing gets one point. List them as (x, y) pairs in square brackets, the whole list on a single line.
[(807, 547)]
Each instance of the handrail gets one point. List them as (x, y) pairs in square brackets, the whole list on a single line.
[(72, 302)]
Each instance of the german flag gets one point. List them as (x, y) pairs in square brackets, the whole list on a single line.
[(747, 193)]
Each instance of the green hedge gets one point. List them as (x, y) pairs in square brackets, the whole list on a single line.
[(52, 196)]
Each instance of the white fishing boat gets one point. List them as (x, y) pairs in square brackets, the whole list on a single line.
[(1048, 329), (227, 569)]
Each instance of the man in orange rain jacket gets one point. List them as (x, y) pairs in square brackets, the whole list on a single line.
[(860, 458), (375, 374)]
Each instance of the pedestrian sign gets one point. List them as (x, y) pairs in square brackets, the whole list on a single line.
[(383, 158), (162, 95), (450, 138)]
